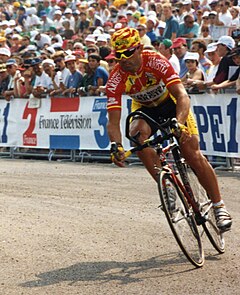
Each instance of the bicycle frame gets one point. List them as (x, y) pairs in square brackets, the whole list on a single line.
[(173, 147)]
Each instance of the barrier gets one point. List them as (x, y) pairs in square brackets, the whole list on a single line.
[(80, 124)]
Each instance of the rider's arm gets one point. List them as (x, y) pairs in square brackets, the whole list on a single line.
[(113, 126), (183, 101)]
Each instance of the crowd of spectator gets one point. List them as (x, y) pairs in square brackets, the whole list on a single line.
[(62, 48)]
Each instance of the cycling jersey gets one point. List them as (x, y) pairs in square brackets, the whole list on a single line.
[(148, 87)]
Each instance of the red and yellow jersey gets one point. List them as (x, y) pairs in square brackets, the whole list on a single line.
[(148, 87)]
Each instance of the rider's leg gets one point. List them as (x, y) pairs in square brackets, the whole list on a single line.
[(204, 171), (148, 156), (207, 177)]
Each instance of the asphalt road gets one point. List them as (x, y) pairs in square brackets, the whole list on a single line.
[(72, 228)]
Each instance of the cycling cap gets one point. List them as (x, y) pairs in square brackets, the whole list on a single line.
[(124, 39)]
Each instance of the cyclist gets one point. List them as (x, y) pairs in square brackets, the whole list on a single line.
[(149, 79)]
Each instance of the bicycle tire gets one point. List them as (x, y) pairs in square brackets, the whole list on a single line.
[(181, 220), (210, 227)]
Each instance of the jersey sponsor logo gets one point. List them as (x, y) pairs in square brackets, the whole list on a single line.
[(113, 82), (149, 94), (112, 100), (160, 65)]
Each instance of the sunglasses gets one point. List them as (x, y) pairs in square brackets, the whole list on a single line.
[(110, 61), (189, 61), (9, 67), (189, 21), (58, 60), (126, 54)]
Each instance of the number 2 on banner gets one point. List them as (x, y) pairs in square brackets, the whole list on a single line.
[(30, 138)]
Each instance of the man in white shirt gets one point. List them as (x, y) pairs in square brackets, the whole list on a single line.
[(164, 49), (224, 17), (41, 39)]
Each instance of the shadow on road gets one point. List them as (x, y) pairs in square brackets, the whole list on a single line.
[(105, 271)]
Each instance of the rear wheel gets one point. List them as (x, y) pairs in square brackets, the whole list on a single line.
[(180, 219), (206, 208)]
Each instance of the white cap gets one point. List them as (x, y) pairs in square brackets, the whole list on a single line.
[(152, 13), (5, 51), (153, 19), (186, 2), (69, 58), (12, 22), (56, 45), (205, 14), (129, 12), (8, 31), (161, 24), (90, 38), (68, 10), (31, 47), (228, 41), (48, 61), (191, 55), (50, 49), (101, 38), (16, 36), (212, 12), (211, 47), (58, 12), (18, 29), (5, 23)]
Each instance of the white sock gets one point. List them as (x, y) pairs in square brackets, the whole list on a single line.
[(220, 203)]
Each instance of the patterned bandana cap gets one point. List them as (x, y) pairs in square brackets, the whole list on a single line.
[(124, 39)]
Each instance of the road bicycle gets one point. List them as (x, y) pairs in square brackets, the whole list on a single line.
[(185, 203)]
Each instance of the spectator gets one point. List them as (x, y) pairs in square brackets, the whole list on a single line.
[(54, 34), (100, 73), (58, 20), (46, 21), (41, 40), (87, 79), (172, 25), (32, 21), (135, 18), (194, 73), (224, 18), (75, 77), (226, 67), (180, 49), (62, 73), (188, 29), (142, 29), (84, 22), (4, 79), (69, 17), (24, 42), (21, 16), (234, 10), (13, 72), (16, 43), (212, 54), (104, 12), (205, 33), (151, 24), (67, 32), (161, 27), (43, 83), (234, 79), (200, 47), (166, 50), (77, 21), (95, 20)]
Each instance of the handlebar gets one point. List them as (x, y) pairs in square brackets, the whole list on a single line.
[(167, 128)]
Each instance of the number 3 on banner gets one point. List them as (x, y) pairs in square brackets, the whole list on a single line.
[(30, 138)]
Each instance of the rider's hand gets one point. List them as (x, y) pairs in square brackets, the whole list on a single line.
[(182, 133), (117, 154)]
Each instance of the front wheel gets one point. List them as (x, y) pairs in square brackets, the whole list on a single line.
[(206, 209), (180, 219)]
